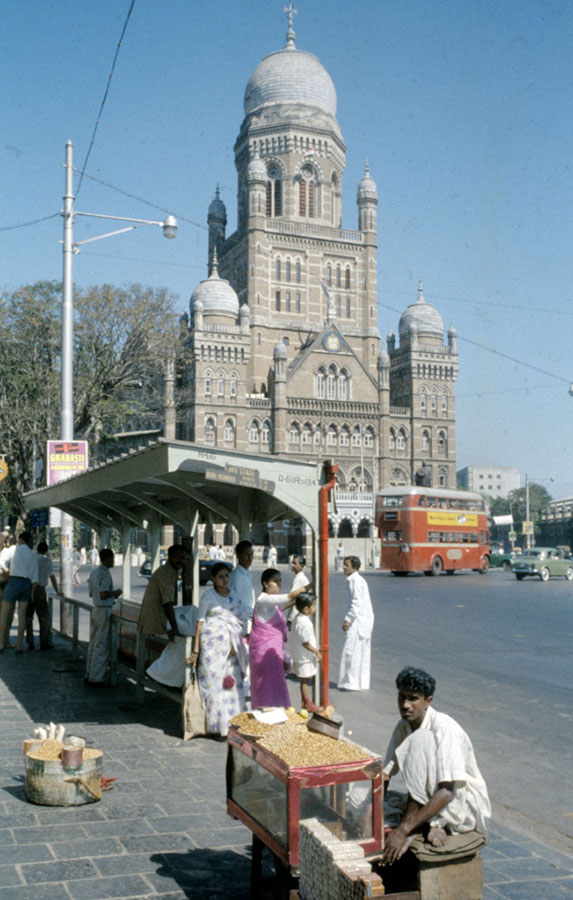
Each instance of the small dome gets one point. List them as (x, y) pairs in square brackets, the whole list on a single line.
[(217, 209), (245, 311), (215, 294), (291, 75), (383, 360), (452, 332), (256, 170), (280, 351), (423, 316), (367, 189)]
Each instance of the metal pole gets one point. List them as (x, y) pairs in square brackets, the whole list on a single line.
[(67, 399), (527, 509)]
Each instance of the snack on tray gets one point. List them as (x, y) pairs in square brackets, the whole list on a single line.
[(246, 723)]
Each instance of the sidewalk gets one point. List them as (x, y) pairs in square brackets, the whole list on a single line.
[(163, 830)]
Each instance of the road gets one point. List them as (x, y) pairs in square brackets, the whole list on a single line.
[(500, 651)]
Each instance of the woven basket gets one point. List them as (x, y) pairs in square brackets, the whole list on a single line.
[(49, 784)]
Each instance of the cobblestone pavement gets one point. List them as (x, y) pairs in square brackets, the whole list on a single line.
[(163, 830)]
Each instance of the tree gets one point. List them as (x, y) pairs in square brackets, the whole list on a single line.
[(123, 338), (539, 498)]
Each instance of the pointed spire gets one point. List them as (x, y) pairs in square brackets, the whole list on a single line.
[(366, 170), (214, 264), (291, 11), (217, 195), (420, 292)]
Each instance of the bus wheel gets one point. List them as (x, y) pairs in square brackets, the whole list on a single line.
[(437, 566), (450, 571), (484, 565), (400, 574)]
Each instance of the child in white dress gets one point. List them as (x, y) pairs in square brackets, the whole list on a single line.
[(305, 654)]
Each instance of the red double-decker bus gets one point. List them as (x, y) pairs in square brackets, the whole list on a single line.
[(432, 530)]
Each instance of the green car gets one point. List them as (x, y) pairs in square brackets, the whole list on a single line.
[(544, 562), (501, 560)]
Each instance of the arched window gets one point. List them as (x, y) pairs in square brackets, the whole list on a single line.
[(434, 402), (207, 387), (318, 435), (288, 299), (331, 383), (442, 443), (297, 303), (278, 270), (423, 401), (288, 267), (307, 434), (320, 384), (426, 442), (254, 432), (210, 432), (329, 275), (266, 432), (398, 477), (369, 437), (294, 435), (229, 432), (401, 440), (343, 385), (334, 200), (331, 436), (345, 437), (442, 477), (274, 192), (307, 193), (445, 404), (338, 276), (298, 272), (338, 305), (392, 440), (357, 436), (348, 307), (347, 278)]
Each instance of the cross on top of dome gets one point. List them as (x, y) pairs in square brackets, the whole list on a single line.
[(291, 11)]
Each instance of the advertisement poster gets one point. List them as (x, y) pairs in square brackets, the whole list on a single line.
[(65, 459)]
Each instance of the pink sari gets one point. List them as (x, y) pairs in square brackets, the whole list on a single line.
[(266, 659)]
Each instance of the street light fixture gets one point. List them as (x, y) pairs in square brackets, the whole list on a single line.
[(70, 248)]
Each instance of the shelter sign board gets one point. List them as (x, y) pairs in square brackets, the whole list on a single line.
[(65, 459), (241, 476)]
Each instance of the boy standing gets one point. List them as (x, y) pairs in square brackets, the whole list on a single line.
[(305, 654)]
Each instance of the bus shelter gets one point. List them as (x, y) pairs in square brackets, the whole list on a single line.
[(178, 483)]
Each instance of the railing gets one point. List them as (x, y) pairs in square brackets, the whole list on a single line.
[(142, 642), (331, 407), (363, 499), (400, 411), (259, 402), (304, 230)]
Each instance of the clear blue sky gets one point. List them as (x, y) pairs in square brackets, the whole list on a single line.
[(463, 110)]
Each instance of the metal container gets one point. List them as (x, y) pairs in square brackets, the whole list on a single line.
[(331, 726), (72, 757), (49, 784)]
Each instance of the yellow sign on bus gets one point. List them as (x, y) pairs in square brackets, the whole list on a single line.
[(451, 518)]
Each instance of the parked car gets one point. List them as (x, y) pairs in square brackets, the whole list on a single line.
[(545, 562), (499, 559), (205, 566)]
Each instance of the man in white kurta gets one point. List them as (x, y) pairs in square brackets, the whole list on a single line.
[(446, 791), (103, 595), (358, 623)]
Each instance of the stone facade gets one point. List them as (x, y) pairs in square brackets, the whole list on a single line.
[(283, 331)]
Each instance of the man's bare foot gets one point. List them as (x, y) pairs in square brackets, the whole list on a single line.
[(436, 836)]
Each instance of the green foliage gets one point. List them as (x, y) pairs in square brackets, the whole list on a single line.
[(539, 498), (122, 340)]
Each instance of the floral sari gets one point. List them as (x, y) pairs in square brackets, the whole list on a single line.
[(223, 661)]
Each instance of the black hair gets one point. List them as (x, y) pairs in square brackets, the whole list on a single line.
[(42, 547), (301, 559), (269, 575), (242, 545), (416, 681), (26, 537), (354, 561), (175, 548), (217, 568), (304, 600), (105, 553)]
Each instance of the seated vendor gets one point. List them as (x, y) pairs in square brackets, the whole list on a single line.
[(446, 792)]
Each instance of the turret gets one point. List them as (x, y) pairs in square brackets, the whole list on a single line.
[(256, 178), (279, 398), (217, 221), (367, 200)]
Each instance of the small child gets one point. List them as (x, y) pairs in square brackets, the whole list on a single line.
[(305, 655)]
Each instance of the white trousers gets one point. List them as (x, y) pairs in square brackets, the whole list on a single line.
[(100, 644), (354, 674)]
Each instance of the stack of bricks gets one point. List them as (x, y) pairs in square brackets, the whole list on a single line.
[(331, 869)]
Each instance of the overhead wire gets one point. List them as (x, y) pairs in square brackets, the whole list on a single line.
[(27, 224), (132, 4)]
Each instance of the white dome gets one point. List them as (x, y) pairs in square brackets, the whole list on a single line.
[(291, 75), (367, 189), (423, 316), (280, 351), (256, 170), (215, 295)]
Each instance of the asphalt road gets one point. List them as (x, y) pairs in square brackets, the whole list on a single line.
[(501, 653)]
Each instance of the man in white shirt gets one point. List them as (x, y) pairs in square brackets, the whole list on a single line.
[(39, 601), (300, 580), (354, 672), (101, 591), (272, 557), (6, 554), (241, 583), (446, 791), (23, 577)]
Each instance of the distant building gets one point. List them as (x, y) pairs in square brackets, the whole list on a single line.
[(495, 481), (555, 524)]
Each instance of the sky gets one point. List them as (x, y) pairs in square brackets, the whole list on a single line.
[(463, 111)]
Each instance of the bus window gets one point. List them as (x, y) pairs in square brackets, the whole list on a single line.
[(453, 538), (391, 501), (442, 503), (474, 539), (392, 535), (465, 537), (472, 505), (434, 537), (422, 501), (463, 504), (390, 516), (444, 537), (432, 502), (481, 505)]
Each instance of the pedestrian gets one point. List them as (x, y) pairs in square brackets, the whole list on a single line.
[(6, 555), (23, 577), (434, 755), (76, 563), (354, 672), (100, 586), (300, 580), (339, 558), (272, 556), (304, 652), (241, 583), (94, 557), (39, 601), (160, 597)]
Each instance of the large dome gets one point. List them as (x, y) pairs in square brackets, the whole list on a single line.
[(291, 75), (215, 295), (423, 316)]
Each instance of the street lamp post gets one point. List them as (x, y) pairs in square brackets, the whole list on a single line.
[(70, 248)]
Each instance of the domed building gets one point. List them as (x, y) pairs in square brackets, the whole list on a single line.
[(283, 331)]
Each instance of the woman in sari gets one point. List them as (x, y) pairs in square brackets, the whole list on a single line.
[(219, 654), (266, 645)]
